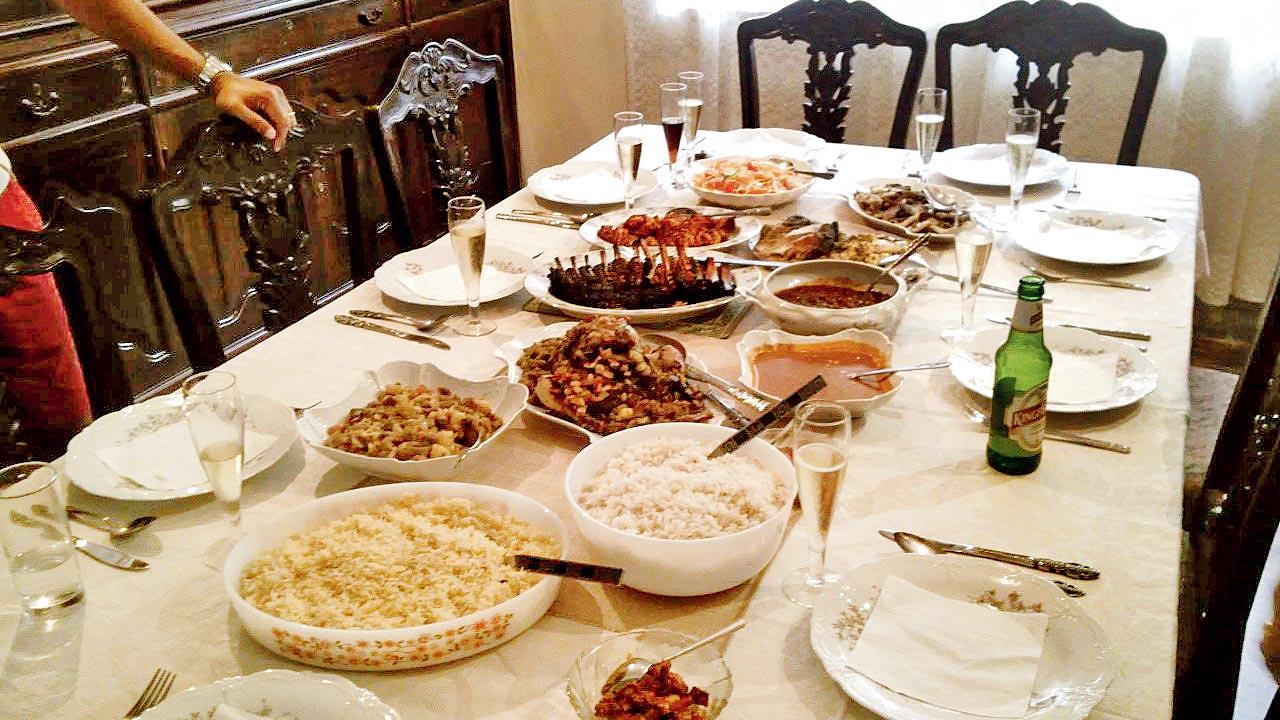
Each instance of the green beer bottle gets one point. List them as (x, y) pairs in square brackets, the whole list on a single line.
[(1021, 390)]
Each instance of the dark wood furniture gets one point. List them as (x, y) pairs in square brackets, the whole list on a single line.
[(832, 30), (437, 88), (1051, 34), (78, 113), (1233, 523)]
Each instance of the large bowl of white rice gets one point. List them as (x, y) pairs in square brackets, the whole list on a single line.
[(647, 500)]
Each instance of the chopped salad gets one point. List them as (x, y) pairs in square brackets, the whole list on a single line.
[(748, 177)]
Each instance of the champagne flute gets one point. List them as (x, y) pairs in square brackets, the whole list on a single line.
[(467, 233), (628, 137), (1021, 135), (671, 98), (214, 411), (931, 110), (973, 244), (820, 452), (692, 113)]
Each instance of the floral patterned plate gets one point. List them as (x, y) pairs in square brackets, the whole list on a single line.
[(277, 694)]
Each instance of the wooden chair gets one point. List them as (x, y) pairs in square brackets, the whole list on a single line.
[(1049, 34), (832, 29), (436, 90), (1234, 522), (225, 181)]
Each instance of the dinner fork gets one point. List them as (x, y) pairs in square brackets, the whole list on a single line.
[(419, 325), (980, 417), (153, 694), (569, 217), (1103, 282), (1073, 192)]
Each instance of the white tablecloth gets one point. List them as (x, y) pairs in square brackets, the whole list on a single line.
[(919, 465)]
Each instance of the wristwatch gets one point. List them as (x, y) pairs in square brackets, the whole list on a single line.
[(213, 66)]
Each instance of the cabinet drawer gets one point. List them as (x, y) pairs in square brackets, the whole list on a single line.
[(420, 10), (275, 38), (45, 97)]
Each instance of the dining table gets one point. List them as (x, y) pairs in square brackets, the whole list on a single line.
[(916, 464)]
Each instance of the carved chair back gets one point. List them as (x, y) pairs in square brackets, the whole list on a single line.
[(226, 180), (1051, 34), (438, 86), (831, 29), (1234, 522)]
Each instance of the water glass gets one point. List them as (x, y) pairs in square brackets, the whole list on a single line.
[(467, 233), (215, 413), (628, 138), (820, 436), (36, 539), (931, 110), (1021, 136)]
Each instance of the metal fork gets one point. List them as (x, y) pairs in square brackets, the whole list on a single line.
[(153, 694), (571, 217), (423, 326), (1103, 282), (1073, 192)]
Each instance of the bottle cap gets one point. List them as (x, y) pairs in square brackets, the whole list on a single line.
[(1031, 287)]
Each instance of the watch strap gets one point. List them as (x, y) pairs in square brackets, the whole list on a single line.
[(213, 66)]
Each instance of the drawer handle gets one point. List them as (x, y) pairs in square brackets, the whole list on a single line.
[(372, 16), (40, 104)]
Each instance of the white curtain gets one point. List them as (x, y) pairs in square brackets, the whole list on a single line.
[(1216, 112)]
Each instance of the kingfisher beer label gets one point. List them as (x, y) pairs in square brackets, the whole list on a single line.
[(1027, 317), (1024, 417)]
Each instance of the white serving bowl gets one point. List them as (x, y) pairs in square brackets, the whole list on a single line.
[(505, 398), (756, 339), (399, 648), (805, 320), (680, 568), (737, 200)]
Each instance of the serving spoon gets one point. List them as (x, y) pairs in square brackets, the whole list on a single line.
[(635, 668), (739, 392), (905, 368)]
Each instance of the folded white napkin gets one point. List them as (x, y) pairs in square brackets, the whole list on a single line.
[(950, 653), (599, 187), (1107, 242), (444, 284), (1076, 379), (757, 143), (166, 459), (226, 712)]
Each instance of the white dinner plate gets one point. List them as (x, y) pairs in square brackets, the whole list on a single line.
[(277, 694), (511, 350), (1075, 668), (587, 183), (748, 227), (539, 286), (1095, 237), (988, 164), (90, 474), (440, 254), (763, 142), (943, 193), (973, 365)]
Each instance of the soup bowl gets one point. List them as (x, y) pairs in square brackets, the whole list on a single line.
[(756, 340), (793, 317)]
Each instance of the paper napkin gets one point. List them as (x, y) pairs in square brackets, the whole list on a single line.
[(166, 458), (600, 187), (445, 284), (757, 143), (1077, 379), (226, 712), (1109, 242), (950, 653)]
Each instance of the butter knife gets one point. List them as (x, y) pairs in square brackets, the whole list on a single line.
[(366, 325), (109, 556), (984, 286), (1109, 332), (1075, 571)]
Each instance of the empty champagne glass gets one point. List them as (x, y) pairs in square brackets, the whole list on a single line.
[(973, 244), (692, 80), (820, 452), (1021, 135), (35, 538), (931, 110), (671, 98), (628, 137), (215, 412), (467, 233)]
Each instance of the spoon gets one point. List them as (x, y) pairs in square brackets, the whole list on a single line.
[(919, 546), (635, 668), (905, 368), (737, 391), (117, 529)]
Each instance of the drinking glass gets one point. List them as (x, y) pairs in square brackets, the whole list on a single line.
[(931, 110), (467, 233), (973, 244), (1021, 135), (36, 539), (692, 80), (628, 137), (671, 97), (820, 452), (214, 410)]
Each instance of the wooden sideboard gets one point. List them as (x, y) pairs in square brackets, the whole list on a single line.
[(76, 112)]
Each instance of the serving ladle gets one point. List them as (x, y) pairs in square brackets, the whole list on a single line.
[(635, 668)]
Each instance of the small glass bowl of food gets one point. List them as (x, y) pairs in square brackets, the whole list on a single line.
[(701, 679)]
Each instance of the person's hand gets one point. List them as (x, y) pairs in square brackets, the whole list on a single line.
[(262, 106)]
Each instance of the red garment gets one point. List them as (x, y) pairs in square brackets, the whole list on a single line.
[(37, 353)]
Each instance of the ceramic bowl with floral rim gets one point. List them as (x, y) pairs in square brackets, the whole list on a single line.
[(396, 648), (756, 340), (284, 694)]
